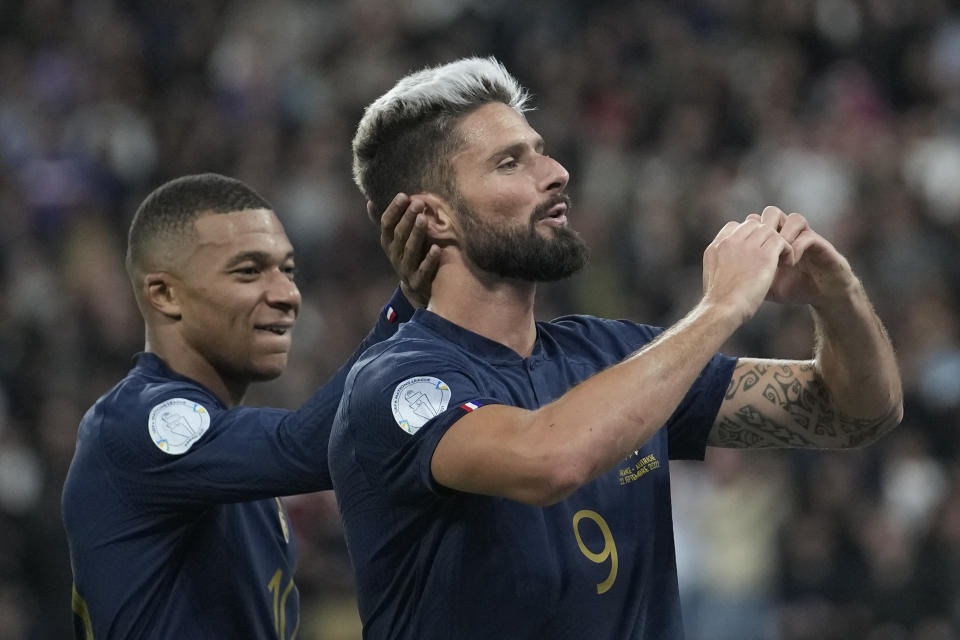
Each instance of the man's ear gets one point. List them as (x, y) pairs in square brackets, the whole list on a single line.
[(161, 293), (442, 223)]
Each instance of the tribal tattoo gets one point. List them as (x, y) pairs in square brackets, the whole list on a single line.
[(795, 412)]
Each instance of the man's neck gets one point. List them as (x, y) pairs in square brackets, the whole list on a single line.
[(498, 309), (190, 364)]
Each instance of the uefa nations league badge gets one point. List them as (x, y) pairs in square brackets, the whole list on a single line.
[(416, 400), (176, 424)]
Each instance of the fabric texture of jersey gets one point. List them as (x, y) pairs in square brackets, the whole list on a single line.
[(435, 563), (193, 544)]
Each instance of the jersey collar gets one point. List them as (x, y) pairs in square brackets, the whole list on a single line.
[(152, 365), (490, 350)]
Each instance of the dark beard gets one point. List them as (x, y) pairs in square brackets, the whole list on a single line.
[(522, 253)]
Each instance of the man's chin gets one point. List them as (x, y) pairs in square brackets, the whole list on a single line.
[(269, 368)]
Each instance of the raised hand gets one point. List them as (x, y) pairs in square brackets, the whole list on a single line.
[(740, 264), (816, 271), (403, 237)]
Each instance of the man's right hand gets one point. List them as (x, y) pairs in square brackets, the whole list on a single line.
[(740, 264), (403, 237)]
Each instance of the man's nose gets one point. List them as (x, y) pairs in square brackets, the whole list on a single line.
[(555, 176), (283, 292)]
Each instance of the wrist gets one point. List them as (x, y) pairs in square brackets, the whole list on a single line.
[(840, 298), (724, 317)]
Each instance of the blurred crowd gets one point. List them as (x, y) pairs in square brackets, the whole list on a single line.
[(672, 117)]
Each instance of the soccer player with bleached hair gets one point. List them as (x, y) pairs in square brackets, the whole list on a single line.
[(533, 500)]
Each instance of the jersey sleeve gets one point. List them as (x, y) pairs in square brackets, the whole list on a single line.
[(309, 433), (395, 410), (179, 445), (690, 424)]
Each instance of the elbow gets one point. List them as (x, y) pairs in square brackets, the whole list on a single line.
[(554, 489), (897, 414), (871, 431), (560, 469), (553, 479)]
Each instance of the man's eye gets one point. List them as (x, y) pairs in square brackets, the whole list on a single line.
[(510, 163), (247, 271), (291, 272)]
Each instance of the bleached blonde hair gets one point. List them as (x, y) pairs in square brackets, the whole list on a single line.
[(406, 135)]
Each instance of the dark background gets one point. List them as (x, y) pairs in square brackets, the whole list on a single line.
[(672, 117)]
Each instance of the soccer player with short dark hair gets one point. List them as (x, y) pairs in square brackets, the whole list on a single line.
[(500, 477), (170, 504)]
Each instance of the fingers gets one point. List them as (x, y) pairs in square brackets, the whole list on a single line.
[(403, 233), (793, 225), (773, 241), (422, 276), (773, 216), (417, 281), (741, 263), (404, 238), (809, 241), (793, 228), (788, 255), (777, 252), (789, 227), (726, 231), (394, 210), (753, 224), (392, 215), (397, 224), (763, 235), (742, 230), (413, 248)]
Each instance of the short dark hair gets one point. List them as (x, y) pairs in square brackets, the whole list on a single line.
[(168, 213), (405, 138), (412, 159)]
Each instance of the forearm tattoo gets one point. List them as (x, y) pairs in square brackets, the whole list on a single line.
[(795, 411)]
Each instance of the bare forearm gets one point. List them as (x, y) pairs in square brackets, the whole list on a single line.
[(856, 361), (626, 404), (848, 396)]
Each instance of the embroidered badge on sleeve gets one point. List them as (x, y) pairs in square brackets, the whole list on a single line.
[(176, 424), (417, 400)]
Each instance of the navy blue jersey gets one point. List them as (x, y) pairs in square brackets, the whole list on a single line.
[(170, 507), (435, 563)]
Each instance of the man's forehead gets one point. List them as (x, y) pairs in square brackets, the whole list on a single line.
[(246, 219), (240, 230), (493, 126)]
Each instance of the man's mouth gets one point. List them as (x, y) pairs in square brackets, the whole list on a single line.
[(554, 211), (279, 329), (558, 211)]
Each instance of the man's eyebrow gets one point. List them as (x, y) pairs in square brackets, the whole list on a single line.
[(517, 148), (260, 257)]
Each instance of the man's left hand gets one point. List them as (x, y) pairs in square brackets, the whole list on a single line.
[(816, 273), (403, 237)]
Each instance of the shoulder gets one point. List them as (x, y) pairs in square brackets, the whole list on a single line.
[(602, 332), (150, 413), (140, 394), (406, 352), (424, 367), (586, 325)]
